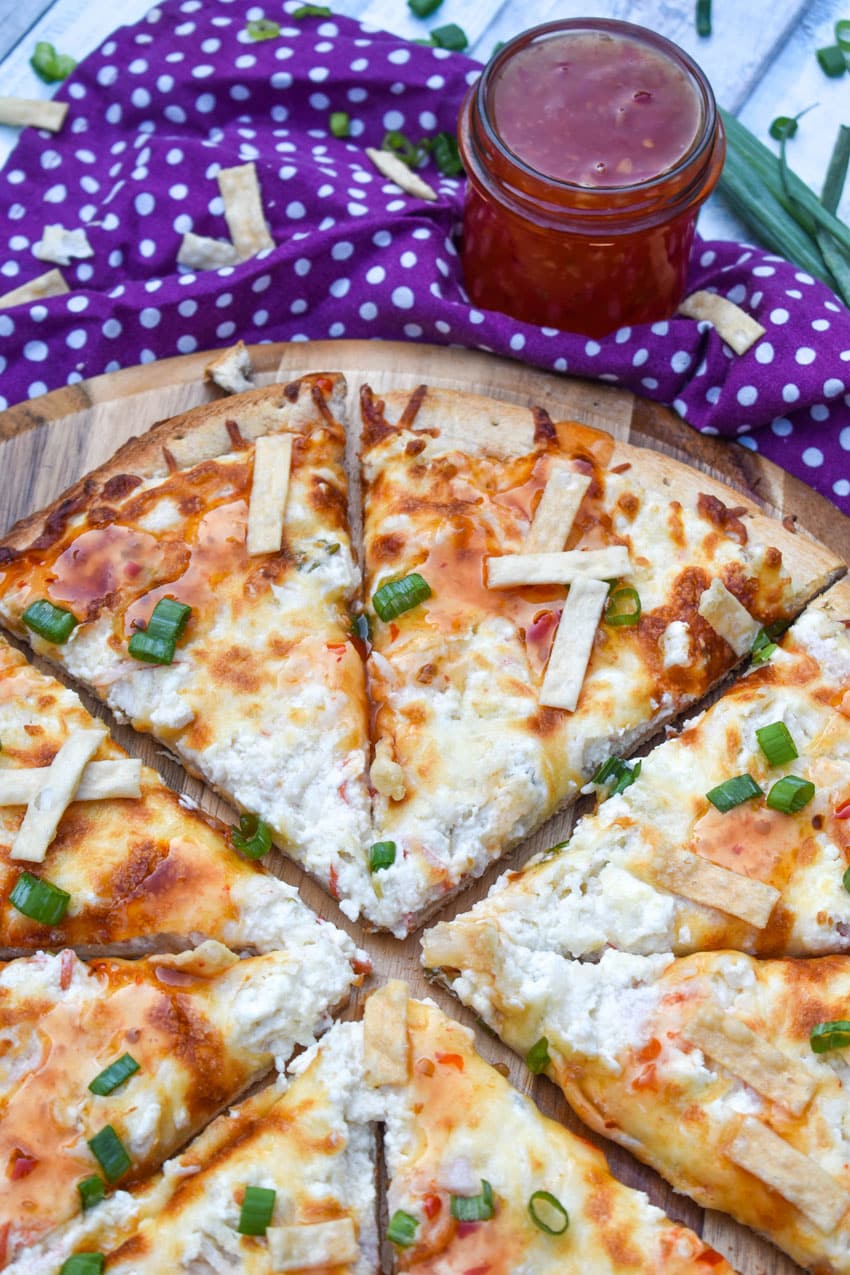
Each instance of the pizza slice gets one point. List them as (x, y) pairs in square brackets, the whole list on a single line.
[(497, 693), (735, 834), (726, 1073), (200, 583), (284, 1182), (107, 1068), (136, 871)]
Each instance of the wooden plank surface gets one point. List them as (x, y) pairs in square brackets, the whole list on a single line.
[(47, 444)]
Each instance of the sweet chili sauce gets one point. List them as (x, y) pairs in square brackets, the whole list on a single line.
[(590, 146)]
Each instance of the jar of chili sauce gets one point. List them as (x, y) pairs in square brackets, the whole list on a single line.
[(590, 146)]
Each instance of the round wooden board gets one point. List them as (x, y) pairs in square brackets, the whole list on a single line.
[(48, 443)]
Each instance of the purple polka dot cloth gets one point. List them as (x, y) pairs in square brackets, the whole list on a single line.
[(163, 105)]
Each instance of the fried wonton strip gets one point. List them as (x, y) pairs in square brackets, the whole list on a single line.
[(198, 252), (555, 515), (512, 570), (732, 324), (573, 643), (269, 489), (49, 284), (62, 246), (243, 210), (22, 112), (54, 795), (397, 171), (231, 370), (747, 1055), (728, 617), (797, 1178), (697, 879), (101, 781), (307, 1247), (385, 1045)]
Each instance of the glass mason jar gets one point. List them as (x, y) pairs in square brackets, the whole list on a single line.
[(566, 251)]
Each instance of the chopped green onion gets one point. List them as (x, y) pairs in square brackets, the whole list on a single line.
[(845, 880), (831, 61), (92, 1190), (783, 127), (151, 649), (110, 1153), (762, 648), (262, 29), (423, 8), (842, 34), (83, 1264), (446, 155), (623, 609), (256, 1212), (733, 792), (168, 619), (790, 794), (253, 837), (39, 899), (50, 66), (311, 11), (402, 146), (558, 1217), (450, 36), (397, 596), (381, 855), (497, 48), (474, 1208), (537, 1059), (339, 126), (620, 771), (361, 627), (703, 17), (776, 743), (50, 622), (114, 1075), (402, 1229), (826, 1036)]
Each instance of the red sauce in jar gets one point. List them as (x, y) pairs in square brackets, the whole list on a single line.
[(589, 146)]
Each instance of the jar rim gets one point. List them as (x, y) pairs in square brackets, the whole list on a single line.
[(698, 152)]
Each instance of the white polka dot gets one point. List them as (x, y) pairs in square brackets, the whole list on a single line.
[(517, 341), (708, 258), (639, 357), (737, 294), (77, 304), (38, 313), (203, 72), (144, 203), (176, 115), (7, 325), (813, 457), (342, 251), (141, 98), (592, 348), (382, 238), (339, 287), (260, 318), (832, 387), (427, 120), (819, 412), (35, 351), (790, 393), (150, 317), (37, 387), (336, 329), (265, 280), (112, 329), (805, 355), (295, 210), (649, 383), (408, 260), (205, 103), (56, 195), (368, 310), (76, 338), (147, 247), (681, 361), (393, 120), (820, 325), (475, 316), (107, 75), (318, 74), (186, 344), (763, 272), (782, 427), (681, 407), (841, 487), (399, 56), (319, 101), (622, 335), (747, 395), (403, 298), (661, 329), (764, 352), (712, 394), (376, 274), (801, 277), (357, 210), (779, 316), (187, 308)]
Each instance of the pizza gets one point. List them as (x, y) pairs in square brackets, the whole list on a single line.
[(200, 583), (138, 871), (108, 1067), (726, 1073), (496, 693), (476, 1178), (734, 834)]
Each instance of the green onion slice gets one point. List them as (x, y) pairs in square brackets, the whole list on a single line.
[(450, 36), (444, 149), (110, 1153), (537, 1059), (253, 837), (151, 649), (474, 1208), (83, 1264), (733, 792), (168, 619), (402, 1229), (52, 623), (845, 880), (256, 1212), (397, 596), (50, 66), (620, 772), (311, 11), (114, 1075), (826, 1036), (623, 609), (790, 794), (92, 1190), (401, 145), (783, 127), (423, 8), (39, 899), (703, 17), (262, 29), (381, 855), (548, 1213), (762, 648), (831, 61), (842, 34), (776, 743), (339, 126)]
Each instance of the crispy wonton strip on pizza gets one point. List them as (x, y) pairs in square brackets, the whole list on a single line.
[(54, 794), (100, 780)]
